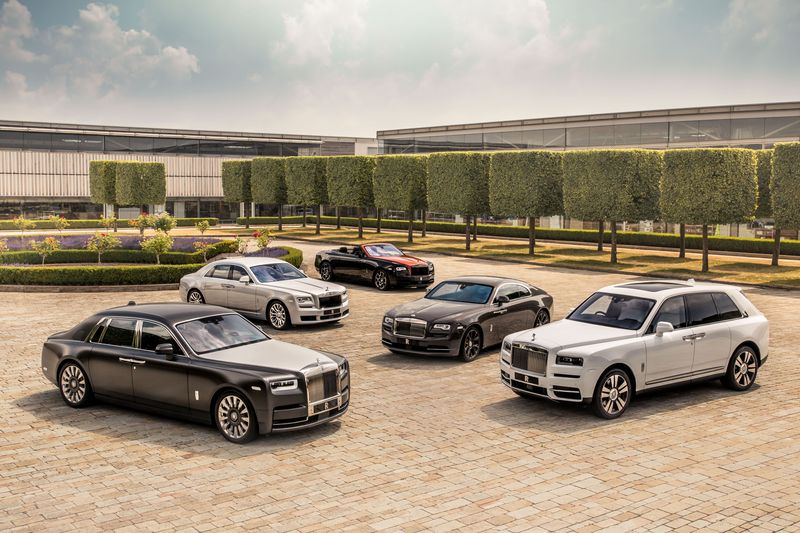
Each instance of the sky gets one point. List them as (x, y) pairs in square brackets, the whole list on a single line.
[(352, 67)]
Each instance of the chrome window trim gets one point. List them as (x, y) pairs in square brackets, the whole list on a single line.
[(507, 283), (743, 314), (100, 324), (111, 318), (141, 325)]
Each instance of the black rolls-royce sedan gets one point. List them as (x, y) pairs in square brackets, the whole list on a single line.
[(461, 316), (381, 264), (204, 363)]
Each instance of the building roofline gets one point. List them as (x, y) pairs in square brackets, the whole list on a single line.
[(673, 112)]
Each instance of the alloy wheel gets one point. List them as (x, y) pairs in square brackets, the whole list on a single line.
[(195, 297), (614, 394), (381, 280), (277, 315), (73, 384), (325, 271), (233, 417), (542, 318), (744, 368), (471, 345)]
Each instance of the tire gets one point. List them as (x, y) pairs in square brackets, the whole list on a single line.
[(613, 394), (742, 369), (278, 316), (76, 391), (471, 344), (326, 271), (380, 279), (542, 318), (235, 418), (195, 297)]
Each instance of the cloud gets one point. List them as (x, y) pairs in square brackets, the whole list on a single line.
[(15, 27), (310, 36), (765, 22)]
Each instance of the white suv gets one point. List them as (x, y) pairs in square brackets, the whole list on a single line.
[(639, 336)]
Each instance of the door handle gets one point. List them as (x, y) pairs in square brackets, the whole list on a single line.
[(137, 362), (228, 286), (501, 312), (688, 337), (699, 335), (124, 360)]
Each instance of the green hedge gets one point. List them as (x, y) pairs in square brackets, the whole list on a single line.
[(785, 187), (139, 183), (102, 182), (350, 180), (458, 182), (400, 182), (30, 257), (90, 224), (268, 180), (95, 275), (294, 256), (306, 182), (526, 183), (236, 181), (764, 171)]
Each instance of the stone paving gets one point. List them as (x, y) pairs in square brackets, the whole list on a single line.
[(428, 443)]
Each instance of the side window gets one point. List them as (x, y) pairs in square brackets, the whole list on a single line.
[(219, 271), (725, 306), (98, 333), (154, 334), (701, 309), (237, 272), (673, 311), (120, 332), (513, 291)]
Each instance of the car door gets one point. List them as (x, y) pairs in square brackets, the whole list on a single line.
[(516, 315), (157, 381), (712, 335), (340, 261), (215, 285), (669, 357), (359, 265), (110, 367), (241, 296)]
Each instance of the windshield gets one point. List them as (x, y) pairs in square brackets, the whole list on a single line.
[(383, 250), (214, 333), (613, 310), (456, 291), (276, 272)]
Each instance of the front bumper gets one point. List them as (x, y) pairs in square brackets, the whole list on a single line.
[(302, 316), (431, 345), (559, 383), (407, 280)]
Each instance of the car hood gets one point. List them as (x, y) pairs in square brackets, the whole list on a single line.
[(405, 260), (429, 310), (306, 286), (570, 334), (273, 355)]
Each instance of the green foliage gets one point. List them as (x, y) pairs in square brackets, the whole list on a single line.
[(202, 226), (526, 183), (236, 181), (306, 183), (140, 183), (158, 244), (709, 185), (350, 180), (764, 171), (458, 182), (202, 247), (58, 222), (614, 185), (262, 237), (100, 223), (95, 275), (164, 222), (3, 246), (785, 186), (142, 222), (400, 182), (108, 222), (268, 180), (46, 247), (100, 243), (22, 224), (293, 256), (102, 182)]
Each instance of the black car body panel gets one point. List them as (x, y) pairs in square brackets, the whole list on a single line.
[(495, 320), (356, 264), (186, 385)]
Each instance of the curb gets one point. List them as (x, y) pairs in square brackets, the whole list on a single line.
[(88, 288)]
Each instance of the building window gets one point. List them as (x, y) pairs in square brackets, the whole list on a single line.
[(683, 132), (601, 135), (554, 138), (533, 138), (714, 130), (627, 134), (782, 127), (577, 137), (654, 133), (748, 128), (12, 140)]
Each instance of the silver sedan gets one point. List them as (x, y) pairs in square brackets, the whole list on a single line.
[(266, 288)]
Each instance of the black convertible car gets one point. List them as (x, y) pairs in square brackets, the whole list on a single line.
[(461, 316), (382, 264), (204, 363)]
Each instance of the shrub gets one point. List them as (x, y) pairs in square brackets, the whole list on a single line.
[(3, 246), (293, 256), (202, 227), (785, 190), (140, 183), (764, 171), (268, 182), (158, 244), (58, 222), (100, 243), (401, 182), (102, 182), (99, 223), (109, 222), (263, 238), (164, 222), (95, 275), (306, 182), (350, 181), (236, 184), (142, 222), (45, 247), (22, 224), (202, 247)]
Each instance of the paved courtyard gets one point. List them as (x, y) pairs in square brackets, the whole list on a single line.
[(428, 444)]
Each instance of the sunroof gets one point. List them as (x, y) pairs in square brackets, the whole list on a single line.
[(653, 286)]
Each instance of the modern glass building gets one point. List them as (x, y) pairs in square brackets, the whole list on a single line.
[(44, 167)]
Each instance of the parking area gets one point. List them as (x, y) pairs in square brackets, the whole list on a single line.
[(428, 443)]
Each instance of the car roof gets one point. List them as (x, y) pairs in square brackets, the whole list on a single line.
[(664, 288), (170, 313), (251, 261), (494, 281)]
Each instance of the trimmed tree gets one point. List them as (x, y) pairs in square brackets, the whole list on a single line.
[(103, 185), (399, 182), (709, 186), (458, 183), (140, 183), (785, 191), (268, 183), (236, 185), (526, 184), (350, 184), (613, 186), (764, 209), (306, 183)]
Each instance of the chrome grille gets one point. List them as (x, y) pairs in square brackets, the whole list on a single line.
[(419, 271), (530, 358), (330, 301), (410, 327), (322, 386)]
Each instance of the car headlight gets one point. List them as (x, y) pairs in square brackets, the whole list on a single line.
[(343, 369), (304, 300), (283, 384), (569, 360), (442, 327), (430, 267), (400, 269), (506, 346), (388, 321)]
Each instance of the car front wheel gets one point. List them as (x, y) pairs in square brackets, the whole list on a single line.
[(278, 315), (234, 417), (542, 318), (471, 344), (325, 271), (742, 369), (74, 386), (612, 395), (381, 280), (195, 297)]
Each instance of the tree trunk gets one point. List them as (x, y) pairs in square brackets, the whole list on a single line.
[(411, 226), (158, 259), (98, 258), (466, 229), (531, 234), (115, 214), (280, 218), (602, 227), (705, 248), (378, 222), (613, 242), (247, 215), (304, 216), (424, 223), (682, 230), (360, 222), (475, 228), (338, 219), (319, 216), (776, 249)]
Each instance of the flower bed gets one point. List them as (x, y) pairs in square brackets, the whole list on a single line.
[(127, 242)]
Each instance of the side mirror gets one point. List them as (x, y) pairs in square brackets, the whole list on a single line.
[(166, 350), (245, 280), (663, 327), (343, 250), (500, 300)]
